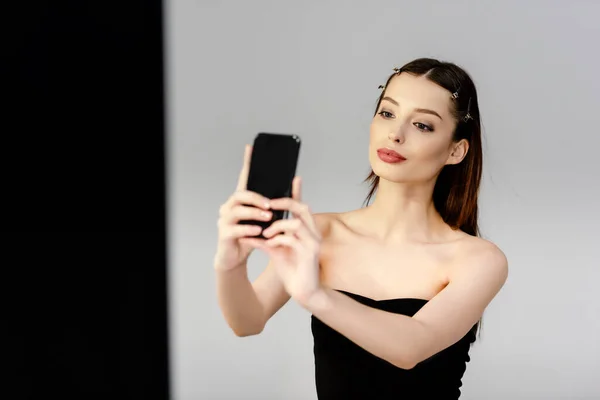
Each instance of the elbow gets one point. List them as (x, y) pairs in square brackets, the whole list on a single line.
[(404, 364), (247, 331), (408, 365), (249, 325), (405, 361)]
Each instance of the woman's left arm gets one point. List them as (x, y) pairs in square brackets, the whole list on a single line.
[(406, 341), (401, 340)]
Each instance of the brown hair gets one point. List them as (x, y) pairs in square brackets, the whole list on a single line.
[(457, 186)]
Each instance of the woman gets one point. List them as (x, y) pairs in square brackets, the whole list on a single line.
[(396, 289)]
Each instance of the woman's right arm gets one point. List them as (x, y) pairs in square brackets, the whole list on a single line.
[(248, 306)]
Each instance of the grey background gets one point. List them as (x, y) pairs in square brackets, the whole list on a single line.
[(312, 68)]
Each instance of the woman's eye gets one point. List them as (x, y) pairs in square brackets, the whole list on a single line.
[(386, 114), (423, 127)]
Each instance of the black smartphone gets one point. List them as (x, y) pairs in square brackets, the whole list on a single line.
[(272, 170)]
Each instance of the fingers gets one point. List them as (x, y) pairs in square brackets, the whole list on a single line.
[(238, 231), (299, 210), (253, 242), (245, 197), (285, 240), (243, 177), (242, 205), (297, 189), (292, 226), (239, 212), (295, 229)]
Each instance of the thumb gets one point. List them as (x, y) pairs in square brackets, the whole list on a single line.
[(297, 189)]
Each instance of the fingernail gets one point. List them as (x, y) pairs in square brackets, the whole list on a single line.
[(267, 204), (266, 214)]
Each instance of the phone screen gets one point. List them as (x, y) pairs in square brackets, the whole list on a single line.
[(272, 169)]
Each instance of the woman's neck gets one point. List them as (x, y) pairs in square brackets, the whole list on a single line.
[(404, 212)]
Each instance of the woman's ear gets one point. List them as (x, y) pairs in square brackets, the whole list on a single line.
[(458, 151)]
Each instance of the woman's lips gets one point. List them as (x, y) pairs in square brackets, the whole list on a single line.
[(390, 156)]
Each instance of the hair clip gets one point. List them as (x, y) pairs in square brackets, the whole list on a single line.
[(455, 95), (381, 87), (468, 116), (397, 70)]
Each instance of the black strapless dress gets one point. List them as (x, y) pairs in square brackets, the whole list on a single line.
[(344, 370)]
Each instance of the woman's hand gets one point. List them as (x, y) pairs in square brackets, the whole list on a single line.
[(293, 246), (232, 252)]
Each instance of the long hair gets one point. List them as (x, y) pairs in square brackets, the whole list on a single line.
[(457, 186)]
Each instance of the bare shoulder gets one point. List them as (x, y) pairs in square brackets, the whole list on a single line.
[(480, 255)]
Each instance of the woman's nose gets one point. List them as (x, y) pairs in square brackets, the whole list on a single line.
[(396, 136)]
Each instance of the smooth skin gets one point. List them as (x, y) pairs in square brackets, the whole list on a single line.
[(398, 247)]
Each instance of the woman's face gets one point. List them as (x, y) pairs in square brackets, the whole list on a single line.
[(413, 120)]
